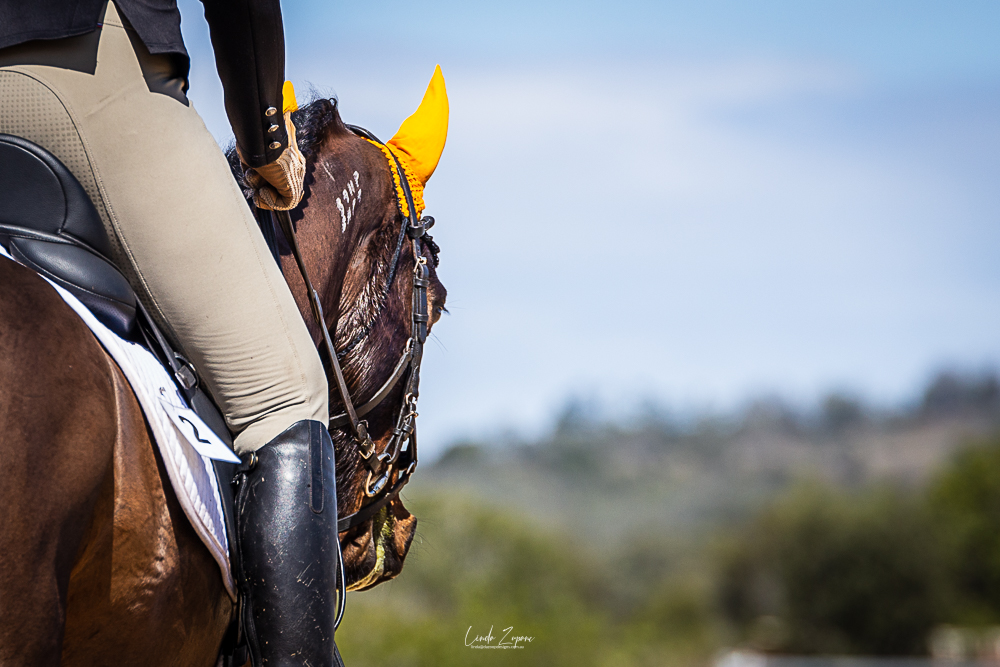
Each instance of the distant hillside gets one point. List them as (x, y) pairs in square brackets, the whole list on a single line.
[(657, 477), (655, 543)]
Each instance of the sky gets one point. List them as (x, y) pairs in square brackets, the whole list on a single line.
[(689, 203)]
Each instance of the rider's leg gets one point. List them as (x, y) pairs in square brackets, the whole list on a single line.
[(185, 238), (286, 523)]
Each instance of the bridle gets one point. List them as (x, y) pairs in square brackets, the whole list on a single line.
[(400, 454)]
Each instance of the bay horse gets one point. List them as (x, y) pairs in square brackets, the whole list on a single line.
[(98, 563)]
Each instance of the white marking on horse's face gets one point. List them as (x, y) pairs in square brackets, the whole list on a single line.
[(343, 218), (327, 170), (348, 200)]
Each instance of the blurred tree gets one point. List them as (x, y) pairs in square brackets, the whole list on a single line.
[(579, 416), (771, 414), (480, 568), (952, 393), (965, 500), (461, 455), (477, 568), (680, 610), (840, 411), (826, 572)]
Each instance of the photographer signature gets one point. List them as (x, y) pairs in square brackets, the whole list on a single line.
[(505, 641)]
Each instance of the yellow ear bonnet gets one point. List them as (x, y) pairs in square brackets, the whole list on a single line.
[(288, 101), (421, 137)]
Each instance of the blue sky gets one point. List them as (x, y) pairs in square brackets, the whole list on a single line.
[(689, 202)]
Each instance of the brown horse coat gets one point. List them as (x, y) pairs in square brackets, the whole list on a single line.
[(98, 562)]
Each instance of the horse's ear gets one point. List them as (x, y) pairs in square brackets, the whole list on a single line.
[(421, 137)]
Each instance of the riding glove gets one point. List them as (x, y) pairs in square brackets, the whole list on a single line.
[(277, 185)]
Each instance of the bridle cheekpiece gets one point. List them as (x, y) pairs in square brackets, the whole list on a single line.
[(399, 458)]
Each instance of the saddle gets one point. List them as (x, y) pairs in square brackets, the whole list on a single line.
[(49, 224)]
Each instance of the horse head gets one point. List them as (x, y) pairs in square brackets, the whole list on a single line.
[(349, 230)]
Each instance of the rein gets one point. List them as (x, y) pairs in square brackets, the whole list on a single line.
[(400, 454)]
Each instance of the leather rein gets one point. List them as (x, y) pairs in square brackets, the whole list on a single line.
[(400, 454)]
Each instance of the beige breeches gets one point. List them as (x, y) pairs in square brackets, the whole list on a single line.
[(182, 232)]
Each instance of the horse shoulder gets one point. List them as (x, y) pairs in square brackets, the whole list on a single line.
[(98, 563), (145, 590)]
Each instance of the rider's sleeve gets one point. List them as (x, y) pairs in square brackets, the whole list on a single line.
[(249, 45)]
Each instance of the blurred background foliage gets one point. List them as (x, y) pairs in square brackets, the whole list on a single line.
[(843, 529)]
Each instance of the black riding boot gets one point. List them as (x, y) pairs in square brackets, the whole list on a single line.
[(286, 525)]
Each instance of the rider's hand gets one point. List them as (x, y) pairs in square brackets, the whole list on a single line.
[(277, 185)]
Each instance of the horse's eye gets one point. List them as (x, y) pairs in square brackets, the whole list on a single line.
[(436, 314)]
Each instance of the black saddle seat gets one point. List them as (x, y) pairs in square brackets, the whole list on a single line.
[(48, 222)]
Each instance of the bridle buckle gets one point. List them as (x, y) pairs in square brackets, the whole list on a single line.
[(366, 446), (379, 483), (417, 231)]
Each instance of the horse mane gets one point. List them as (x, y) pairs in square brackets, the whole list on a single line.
[(314, 122)]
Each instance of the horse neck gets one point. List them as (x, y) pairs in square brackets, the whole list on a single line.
[(326, 263)]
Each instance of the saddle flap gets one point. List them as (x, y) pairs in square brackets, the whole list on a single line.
[(89, 278)]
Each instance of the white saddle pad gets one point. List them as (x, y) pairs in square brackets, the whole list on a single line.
[(186, 443)]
